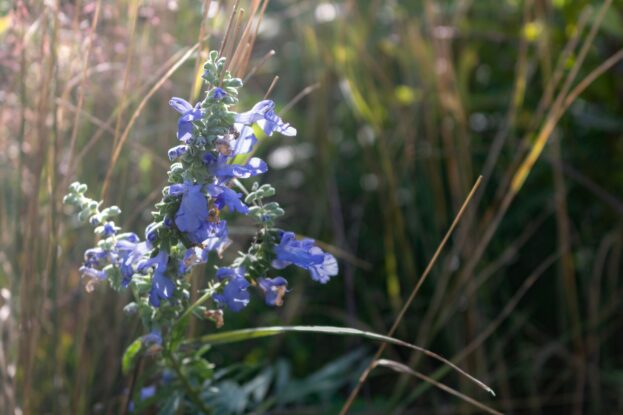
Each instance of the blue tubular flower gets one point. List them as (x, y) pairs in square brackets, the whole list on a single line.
[(130, 253), (256, 113), (274, 289), (95, 257), (151, 232), (193, 256), (307, 255), (217, 166), (292, 251), (161, 286), (224, 196), (235, 295), (177, 151), (193, 210), (185, 122), (272, 122), (212, 236), (264, 114)]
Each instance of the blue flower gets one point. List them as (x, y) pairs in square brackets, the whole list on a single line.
[(95, 257), (185, 122), (146, 393), (151, 232), (256, 113), (161, 287), (218, 167), (307, 255), (153, 338), (193, 210), (235, 295), (325, 270), (193, 256), (212, 236), (92, 272), (177, 151), (130, 253), (110, 229), (263, 113), (274, 289), (224, 196), (218, 93)]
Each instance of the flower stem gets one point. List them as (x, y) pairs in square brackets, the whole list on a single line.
[(193, 394), (197, 303)]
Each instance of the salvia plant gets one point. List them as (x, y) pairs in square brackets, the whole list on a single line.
[(212, 159)]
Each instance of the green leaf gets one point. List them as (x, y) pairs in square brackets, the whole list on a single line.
[(256, 333), (129, 356)]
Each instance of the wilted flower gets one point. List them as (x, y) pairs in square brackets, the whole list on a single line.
[(274, 289)]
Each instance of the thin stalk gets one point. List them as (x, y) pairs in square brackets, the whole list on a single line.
[(407, 304), (193, 394)]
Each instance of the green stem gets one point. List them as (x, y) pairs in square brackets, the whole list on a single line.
[(192, 392), (197, 303)]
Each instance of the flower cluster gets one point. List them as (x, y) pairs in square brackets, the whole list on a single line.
[(214, 154)]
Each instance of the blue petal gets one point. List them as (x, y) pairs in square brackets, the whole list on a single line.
[(256, 113), (193, 210), (225, 197), (323, 272), (180, 105), (161, 289), (272, 122), (246, 140), (235, 295), (177, 151)]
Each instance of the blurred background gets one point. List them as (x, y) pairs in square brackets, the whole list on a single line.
[(400, 106)]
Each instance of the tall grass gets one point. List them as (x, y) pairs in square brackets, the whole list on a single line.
[(401, 106)]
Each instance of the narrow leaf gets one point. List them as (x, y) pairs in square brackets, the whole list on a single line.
[(256, 333)]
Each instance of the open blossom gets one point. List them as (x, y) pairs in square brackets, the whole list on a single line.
[(185, 122), (225, 197), (161, 286), (263, 113), (193, 210), (223, 171), (235, 295), (187, 224), (193, 256), (130, 251), (125, 253), (305, 254)]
